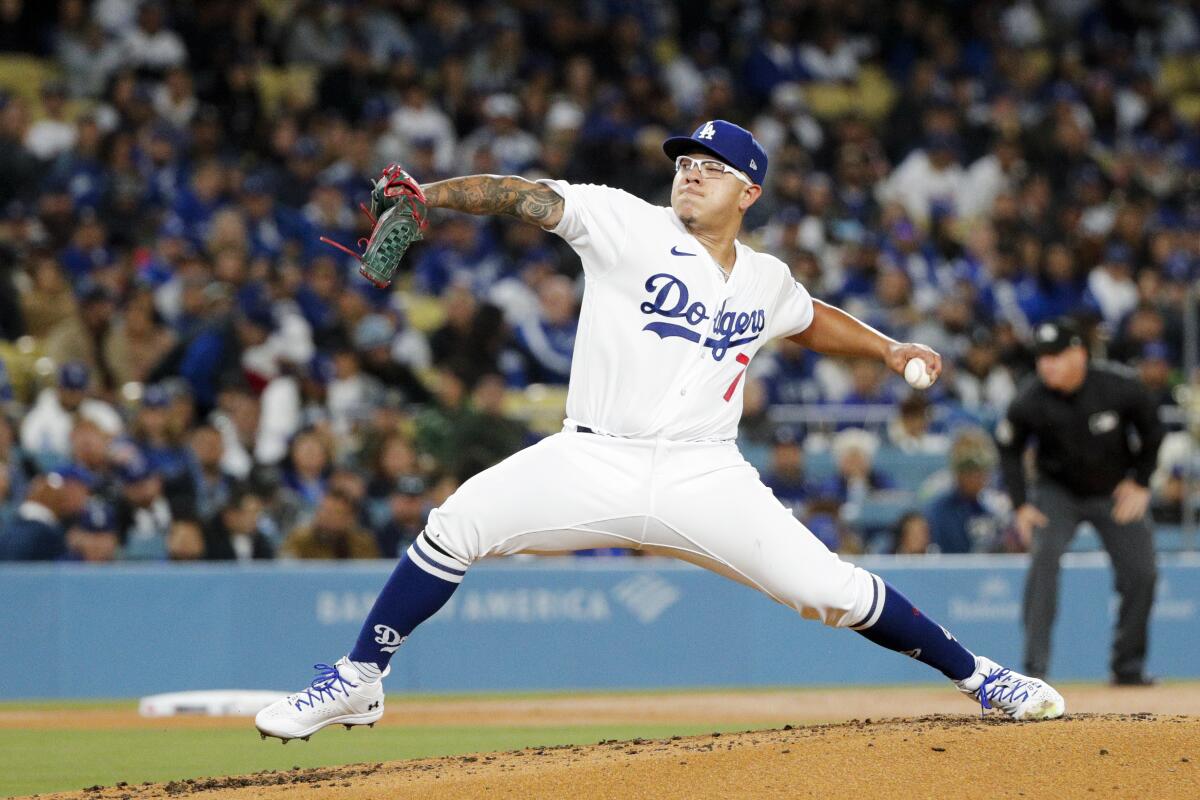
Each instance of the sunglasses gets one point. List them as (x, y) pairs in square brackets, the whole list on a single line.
[(710, 168)]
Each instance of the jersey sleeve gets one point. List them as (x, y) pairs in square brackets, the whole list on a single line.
[(595, 222), (794, 309)]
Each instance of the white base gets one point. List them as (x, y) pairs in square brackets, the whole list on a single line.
[(212, 703)]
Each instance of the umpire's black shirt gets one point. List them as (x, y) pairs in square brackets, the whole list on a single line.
[(1088, 441)]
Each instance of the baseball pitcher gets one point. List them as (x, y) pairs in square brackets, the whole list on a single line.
[(674, 309)]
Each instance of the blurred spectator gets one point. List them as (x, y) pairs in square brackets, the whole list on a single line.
[(1177, 469), (969, 517), (352, 392), (418, 119), (14, 479), (856, 479), (394, 459), (1000, 171), (1154, 370), (87, 55), (374, 338), (212, 486), (774, 58), (511, 149), (38, 530), (912, 535), (910, 430), (46, 429), (982, 384), (80, 338), (49, 300), (149, 44), (1112, 285), (216, 353), (870, 384), (471, 338), (830, 56), (234, 533), (144, 516), (185, 540), (93, 536), (785, 477), (928, 176), (484, 435), (54, 134), (308, 470), (154, 432), (406, 517), (544, 344), (137, 342), (333, 533)]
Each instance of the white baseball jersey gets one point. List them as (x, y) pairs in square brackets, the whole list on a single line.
[(664, 338)]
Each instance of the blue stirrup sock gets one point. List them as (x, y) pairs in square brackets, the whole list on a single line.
[(899, 626), (419, 585)]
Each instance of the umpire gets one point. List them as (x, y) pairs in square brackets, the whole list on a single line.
[(1097, 434)]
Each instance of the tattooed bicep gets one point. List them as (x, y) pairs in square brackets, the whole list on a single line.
[(540, 205)]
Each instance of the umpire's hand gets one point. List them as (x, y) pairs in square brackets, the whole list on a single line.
[(1029, 517), (1130, 501)]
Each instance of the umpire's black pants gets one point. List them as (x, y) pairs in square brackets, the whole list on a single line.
[(1131, 549)]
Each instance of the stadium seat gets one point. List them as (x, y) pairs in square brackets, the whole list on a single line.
[(1179, 74), (425, 312), (24, 75), (909, 470), (288, 87), (871, 96), (539, 406)]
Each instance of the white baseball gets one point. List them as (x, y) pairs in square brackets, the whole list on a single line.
[(917, 374)]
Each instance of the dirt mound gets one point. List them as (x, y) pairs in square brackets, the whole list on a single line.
[(1083, 755)]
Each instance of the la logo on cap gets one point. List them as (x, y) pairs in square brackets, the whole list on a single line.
[(707, 132)]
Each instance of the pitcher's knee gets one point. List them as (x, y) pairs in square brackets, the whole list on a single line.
[(453, 538), (844, 597)]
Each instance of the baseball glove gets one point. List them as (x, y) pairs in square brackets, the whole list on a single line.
[(398, 213)]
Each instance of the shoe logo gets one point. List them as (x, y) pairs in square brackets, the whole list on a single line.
[(373, 706), (675, 251), (389, 638)]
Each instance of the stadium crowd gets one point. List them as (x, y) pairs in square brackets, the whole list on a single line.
[(188, 373)]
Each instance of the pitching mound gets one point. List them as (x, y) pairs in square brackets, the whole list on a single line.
[(1086, 755)]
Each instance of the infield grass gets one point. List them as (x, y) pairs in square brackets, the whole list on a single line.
[(37, 761)]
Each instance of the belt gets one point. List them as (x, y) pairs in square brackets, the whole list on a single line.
[(584, 429)]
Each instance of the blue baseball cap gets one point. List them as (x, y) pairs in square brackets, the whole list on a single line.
[(1155, 351), (74, 472), (74, 375), (97, 517), (155, 396), (134, 469), (731, 143)]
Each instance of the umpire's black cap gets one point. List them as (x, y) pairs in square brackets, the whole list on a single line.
[(1051, 338)]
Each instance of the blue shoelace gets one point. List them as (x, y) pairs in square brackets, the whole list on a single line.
[(1006, 693), (323, 687)]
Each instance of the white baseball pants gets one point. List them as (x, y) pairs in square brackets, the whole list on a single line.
[(697, 501)]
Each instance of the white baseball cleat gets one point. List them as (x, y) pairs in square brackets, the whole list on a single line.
[(1017, 695), (337, 696)]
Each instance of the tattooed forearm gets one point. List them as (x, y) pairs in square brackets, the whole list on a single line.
[(534, 203)]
